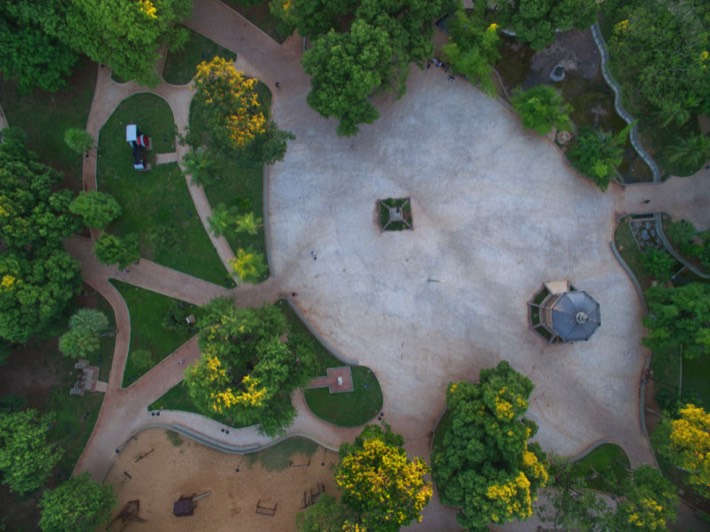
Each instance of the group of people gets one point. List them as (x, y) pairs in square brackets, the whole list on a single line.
[(438, 63)]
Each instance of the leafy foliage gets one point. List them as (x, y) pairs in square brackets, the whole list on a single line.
[(82, 339), (97, 209), (474, 48), (326, 515), (484, 464), (690, 242), (26, 457), (690, 153), (658, 262), (249, 265), (380, 484), (79, 140), (535, 21), (678, 322), (541, 108), (597, 154), (37, 277), (111, 249), (79, 504), (312, 18), (27, 53), (684, 441), (650, 502), (200, 165), (249, 366), (348, 68)]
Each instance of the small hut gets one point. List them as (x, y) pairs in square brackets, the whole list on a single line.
[(184, 506), (560, 313)]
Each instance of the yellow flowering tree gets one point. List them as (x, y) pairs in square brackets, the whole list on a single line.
[(385, 489), (250, 364), (685, 442), (482, 461), (236, 114)]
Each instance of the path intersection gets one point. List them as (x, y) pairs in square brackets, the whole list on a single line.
[(497, 211)]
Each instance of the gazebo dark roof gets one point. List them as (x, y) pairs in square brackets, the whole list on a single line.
[(184, 506), (572, 316)]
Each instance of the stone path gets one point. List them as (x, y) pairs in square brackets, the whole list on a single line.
[(429, 363)]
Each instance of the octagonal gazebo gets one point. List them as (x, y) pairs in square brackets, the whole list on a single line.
[(560, 313)]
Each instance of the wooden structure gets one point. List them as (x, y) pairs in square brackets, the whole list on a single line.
[(129, 512), (312, 496), (265, 509)]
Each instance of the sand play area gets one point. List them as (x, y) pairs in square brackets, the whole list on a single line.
[(154, 470)]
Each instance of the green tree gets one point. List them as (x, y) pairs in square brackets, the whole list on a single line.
[(34, 291), (678, 323), (77, 505), (27, 53), (97, 209), (78, 140), (222, 220), (682, 234), (346, 69), (113, 250), (649, 503), (597, 154), (659, 263), (483, 464), (474, 48), (248, 223), (690, 153), (684, 441), (535, 21), (250, 364), (26, 457), (380, 484), (82, 339), (249, 265), (541, 108), (126, 36)]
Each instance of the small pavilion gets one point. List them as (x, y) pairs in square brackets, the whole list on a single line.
[(560, 313)]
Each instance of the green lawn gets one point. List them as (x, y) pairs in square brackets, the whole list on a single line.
[(604, 469), (148, 310), (45, 116), (278, 457), (350, 409), (238, 182), (179, 67), (156, 204)]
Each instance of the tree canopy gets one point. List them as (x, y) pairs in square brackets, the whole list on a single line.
[(474, 48), (250, 364), (678, 322), (348, 68), (37, 277), (26, 457), (77, 505), (123, 252), (483, 464), (535, 21), (597, 154), (97, 209), (384, 488), (541, 108), (82, 338), (312, 18), (649, 502)]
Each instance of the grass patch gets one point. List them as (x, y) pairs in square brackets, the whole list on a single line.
[(278, 457), (176, 398), (45, 116), (604, 469), (261, 17), (180, 67), (630, 252), (174, 438), (156, 204), (325, 358), (148, 310), (350, 409)]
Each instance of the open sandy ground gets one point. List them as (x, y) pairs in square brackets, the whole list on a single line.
[(170, 471)]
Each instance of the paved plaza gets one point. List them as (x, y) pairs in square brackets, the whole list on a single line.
[(497, 211)]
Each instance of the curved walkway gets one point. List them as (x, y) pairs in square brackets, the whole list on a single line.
[(338, 284)]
